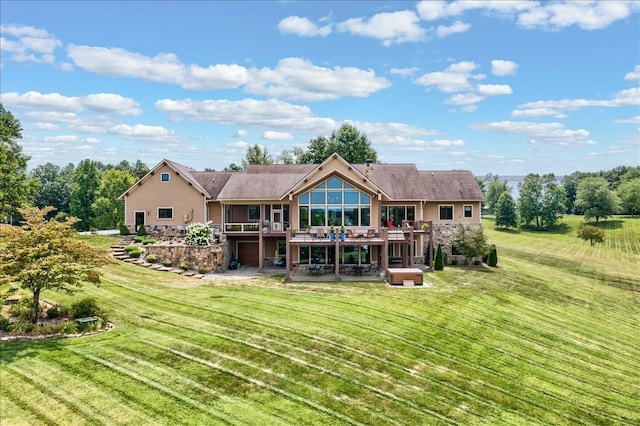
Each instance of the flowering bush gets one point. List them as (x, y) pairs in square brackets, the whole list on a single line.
[(198, 234)]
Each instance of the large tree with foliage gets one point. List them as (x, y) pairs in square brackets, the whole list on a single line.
[(85, 184), (541, 200), (629, 194), (347, 141), (590, 233), (46, 255), (55, 186), (108, 210), (494, 188), (505, 211), (595, 198), (15, 187), (257, 155)]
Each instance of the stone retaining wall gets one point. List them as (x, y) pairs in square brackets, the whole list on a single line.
[(213, 258)]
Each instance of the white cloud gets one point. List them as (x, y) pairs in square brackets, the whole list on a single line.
[(28, 44), (456, 27), (633, 75), (392, 28), (559, 108), (281, 136), (453, 79), (162, 68), (99, 102), (554, 133), (501, 67), (464, 99), (271, 114), (144, 133), (302, 27), (494, 89), (632, 120), (404, 72), (299, 79), (241, 134)]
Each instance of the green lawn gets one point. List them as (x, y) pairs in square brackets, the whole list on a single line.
[(550, 337)]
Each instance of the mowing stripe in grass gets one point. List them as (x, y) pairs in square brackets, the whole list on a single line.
[(321, 369), (152, 384)]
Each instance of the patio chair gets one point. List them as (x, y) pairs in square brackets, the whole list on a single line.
[(350, 233), (320, 233), (370, 233)]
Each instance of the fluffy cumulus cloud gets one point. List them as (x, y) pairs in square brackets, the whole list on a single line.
[(389, 27), (28, 44), (453, 79), (560, 108), (279, 136), (586, 15), (162, 68), (110, 103), (144, 133), (501, 67), (302, 27), (554, 133), (633, 75), (456, 27), (299, 79), (267, 114)]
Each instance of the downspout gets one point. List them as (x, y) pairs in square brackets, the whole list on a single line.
[(261, 240)]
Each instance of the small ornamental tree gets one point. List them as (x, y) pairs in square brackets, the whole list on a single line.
[(198, 234), (46, 255), (591, 233), (438, 265), (470, 242), (492, 259)]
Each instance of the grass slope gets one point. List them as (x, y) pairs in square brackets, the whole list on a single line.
[(549, 337)]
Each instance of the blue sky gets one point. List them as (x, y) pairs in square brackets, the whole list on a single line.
[(496, 87)]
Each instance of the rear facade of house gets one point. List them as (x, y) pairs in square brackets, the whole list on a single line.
[(391, 213)]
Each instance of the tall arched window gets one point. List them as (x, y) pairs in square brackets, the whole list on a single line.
[(334, 202)]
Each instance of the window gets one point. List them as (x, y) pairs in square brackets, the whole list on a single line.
[(165, 212), (446, 212), (164, 177), (254, 212), (334, 202), (468, 211), (396, 214)]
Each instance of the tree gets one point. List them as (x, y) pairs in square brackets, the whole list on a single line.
[(505, 211), (541, 199), (438, 264), (347, 141), (257, 155), (492, 258), (495, 188), (629, 194), (470, 241), (591, 233), (107, 208), (15, 187), (596, 199), (83, 194), (55, 186), (46, 255)]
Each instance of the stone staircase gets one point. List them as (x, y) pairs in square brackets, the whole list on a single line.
[(119, 253)]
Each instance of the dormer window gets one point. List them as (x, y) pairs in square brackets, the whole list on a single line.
[(164, 177)]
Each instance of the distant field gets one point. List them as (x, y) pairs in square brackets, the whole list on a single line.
[(550, 337)]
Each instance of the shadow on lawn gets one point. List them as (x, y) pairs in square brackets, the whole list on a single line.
[(12, 350)]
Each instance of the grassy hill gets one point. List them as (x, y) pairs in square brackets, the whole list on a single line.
[(550, 337)]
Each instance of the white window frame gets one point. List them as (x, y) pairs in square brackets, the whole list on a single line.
[(162, 175), (165, 218), (440, 212), (464, 211)]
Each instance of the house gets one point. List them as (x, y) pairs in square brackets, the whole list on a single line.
[(392, 213)]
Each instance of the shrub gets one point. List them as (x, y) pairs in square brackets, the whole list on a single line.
[(53, 312), (184, 266), (454, 261), (202, 270), (135, 253), (151, 258), (477, 262), (147, 241), (142, 231), (61, 216), (166, 262), (439, 261), (124, 230), (492, 259), (591, 233), (23, 310), (131, 248), (5, 325), (87, 307), (139, 239), (198, 234)]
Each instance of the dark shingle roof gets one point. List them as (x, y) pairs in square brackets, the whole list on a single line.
[(451, 185)]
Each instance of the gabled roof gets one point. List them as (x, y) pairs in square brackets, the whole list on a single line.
[(184, 172), (255, 186)]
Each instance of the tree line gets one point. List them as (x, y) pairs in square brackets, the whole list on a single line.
[(543, 200)]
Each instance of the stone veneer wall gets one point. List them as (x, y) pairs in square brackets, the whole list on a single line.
[(443, 233), (213, 258)]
